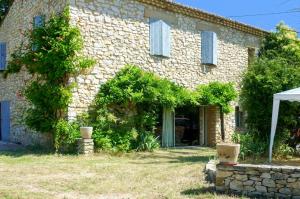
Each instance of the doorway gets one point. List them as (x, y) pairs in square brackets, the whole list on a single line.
[(187, 131), (186, 126)]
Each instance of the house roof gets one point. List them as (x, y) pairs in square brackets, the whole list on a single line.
[(199, 14)]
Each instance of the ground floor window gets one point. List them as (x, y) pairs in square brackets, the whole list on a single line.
[(239, 118)]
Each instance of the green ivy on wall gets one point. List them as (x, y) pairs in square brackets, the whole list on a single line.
[(53, 60)]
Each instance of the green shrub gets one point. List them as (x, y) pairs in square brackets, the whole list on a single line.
[(251, 146), (254, 147), (102, 141), (66, 135), (281, 145), (146, 141), (283, 151)]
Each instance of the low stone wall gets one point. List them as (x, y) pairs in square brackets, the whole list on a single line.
[(259, 180)]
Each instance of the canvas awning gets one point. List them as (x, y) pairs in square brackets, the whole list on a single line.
[(290, 95)]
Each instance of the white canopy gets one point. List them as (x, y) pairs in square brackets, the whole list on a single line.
[(290, 95)]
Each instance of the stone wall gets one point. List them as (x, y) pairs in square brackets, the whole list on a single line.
[(18, 20), (259, 180), (117, 33)]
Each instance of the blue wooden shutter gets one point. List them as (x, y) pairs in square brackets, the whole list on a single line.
[(155, 37), (166, 39), (160, 38), (38, 21), (5, 121), (209, 47), (3, 54)]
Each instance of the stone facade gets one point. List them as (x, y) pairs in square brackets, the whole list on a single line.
[(116, 33), (259, 181), (18, 20)]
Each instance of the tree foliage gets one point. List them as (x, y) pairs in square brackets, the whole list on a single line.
[(276, 69), (218, 94), (4, 7), (51, 57)]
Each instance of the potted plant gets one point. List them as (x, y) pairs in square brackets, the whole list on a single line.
[(228, 153), (86, 131)]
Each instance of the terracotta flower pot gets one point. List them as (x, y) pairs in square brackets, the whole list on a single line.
[(228, 153), (86, 132)]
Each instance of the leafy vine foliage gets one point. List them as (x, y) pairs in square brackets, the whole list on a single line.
[(126, 109), (51, 57)]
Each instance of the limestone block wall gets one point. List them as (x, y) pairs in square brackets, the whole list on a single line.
[(116, 33), (18, 20), (259, 181)]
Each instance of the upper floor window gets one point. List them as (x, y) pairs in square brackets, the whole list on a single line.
[(252, 53), (3, 55), (209, 51), (160, 38), (38, 21)]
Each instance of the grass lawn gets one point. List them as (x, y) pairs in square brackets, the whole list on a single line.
[(175, 173)]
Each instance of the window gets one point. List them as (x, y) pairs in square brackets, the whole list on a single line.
[(38, 21), (209, 48), (239, 117), (251, 55), (3, 55), (160, 38)]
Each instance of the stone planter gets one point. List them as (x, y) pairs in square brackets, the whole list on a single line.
[(228, 153), (86, 132)]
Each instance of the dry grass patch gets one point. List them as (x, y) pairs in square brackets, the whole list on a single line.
[(175, 173)]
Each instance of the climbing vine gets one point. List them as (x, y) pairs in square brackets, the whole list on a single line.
[(51, 57), (127, 107)]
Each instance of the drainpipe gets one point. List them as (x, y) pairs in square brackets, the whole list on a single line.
[(222, 123)]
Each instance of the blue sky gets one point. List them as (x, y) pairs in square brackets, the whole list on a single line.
[(244, 7)]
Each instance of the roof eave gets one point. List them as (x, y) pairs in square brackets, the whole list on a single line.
[(212, 18)]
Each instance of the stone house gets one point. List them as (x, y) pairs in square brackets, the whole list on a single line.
[(183, 44)]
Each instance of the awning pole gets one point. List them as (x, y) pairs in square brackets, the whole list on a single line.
[(275, 111)]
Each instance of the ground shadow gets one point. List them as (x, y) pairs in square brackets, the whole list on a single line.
[(23, 152), (208, 190), (199, 191), (168, 158)]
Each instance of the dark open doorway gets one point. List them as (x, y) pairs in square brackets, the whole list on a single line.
[(187, 128)]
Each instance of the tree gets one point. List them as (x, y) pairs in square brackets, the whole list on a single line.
[(276, 69)]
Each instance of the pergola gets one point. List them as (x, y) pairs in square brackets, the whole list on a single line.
[(290, 95)]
